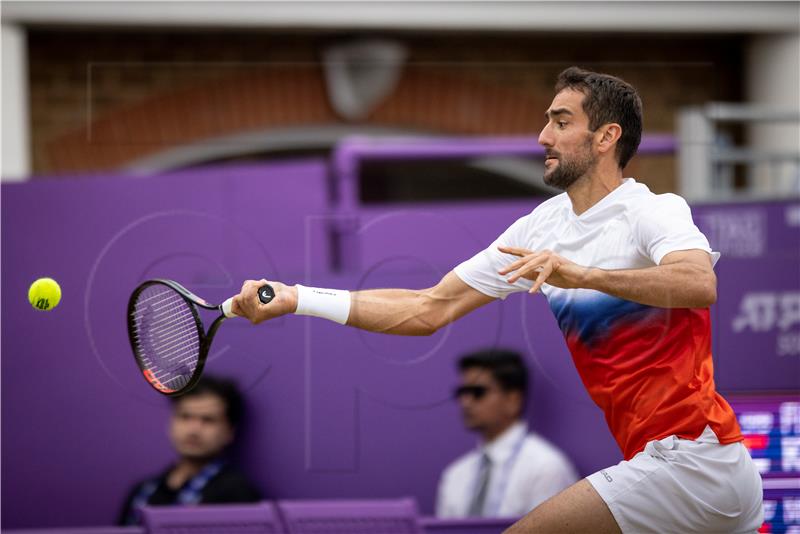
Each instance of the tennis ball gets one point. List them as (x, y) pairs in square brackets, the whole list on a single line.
[(44, 294)]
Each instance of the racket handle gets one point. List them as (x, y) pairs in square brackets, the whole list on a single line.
[(265, 295)]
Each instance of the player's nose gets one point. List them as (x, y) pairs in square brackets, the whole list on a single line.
[(545, 137)]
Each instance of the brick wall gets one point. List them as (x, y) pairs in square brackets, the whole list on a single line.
[(100, 100)]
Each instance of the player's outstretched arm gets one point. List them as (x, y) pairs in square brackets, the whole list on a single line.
[(683, 279), (391, 311), (413, 313)]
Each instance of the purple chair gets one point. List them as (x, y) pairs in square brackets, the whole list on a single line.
[(396, 516), (475, 525), (79, 530), (260, 518)]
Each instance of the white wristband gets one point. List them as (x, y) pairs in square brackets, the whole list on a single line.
[(332, 304)]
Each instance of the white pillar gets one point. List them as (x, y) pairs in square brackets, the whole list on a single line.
[(16, 155), (696, 137), (773, 79)]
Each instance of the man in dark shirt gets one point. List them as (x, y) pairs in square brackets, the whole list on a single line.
[(202, 426)]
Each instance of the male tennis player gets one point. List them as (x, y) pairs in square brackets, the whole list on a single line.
[(630, 280)]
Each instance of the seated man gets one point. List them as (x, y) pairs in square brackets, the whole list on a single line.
[(512, 471), (202, 426)]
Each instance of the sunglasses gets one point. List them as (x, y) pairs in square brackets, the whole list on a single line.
[(476, 392)]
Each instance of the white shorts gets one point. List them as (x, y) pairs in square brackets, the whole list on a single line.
[(680, 485)]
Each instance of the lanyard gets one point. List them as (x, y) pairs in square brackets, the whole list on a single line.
[(495, 499), (190, 494)]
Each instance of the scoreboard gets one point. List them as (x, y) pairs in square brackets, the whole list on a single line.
[(771, 428)]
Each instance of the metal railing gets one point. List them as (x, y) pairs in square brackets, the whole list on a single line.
[(714, 167)]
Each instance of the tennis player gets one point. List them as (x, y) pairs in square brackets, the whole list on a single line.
[(630, 280)]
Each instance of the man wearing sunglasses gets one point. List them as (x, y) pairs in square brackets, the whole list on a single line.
[(511, 471)]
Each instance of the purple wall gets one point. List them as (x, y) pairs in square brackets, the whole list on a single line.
[(334, 412), (757, 316)]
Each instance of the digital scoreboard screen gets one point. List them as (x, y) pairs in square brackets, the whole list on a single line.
[(771, 428)]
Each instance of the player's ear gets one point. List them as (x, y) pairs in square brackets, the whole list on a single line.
[(607, 136)]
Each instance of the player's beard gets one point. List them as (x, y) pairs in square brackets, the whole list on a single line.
[(570, 169)]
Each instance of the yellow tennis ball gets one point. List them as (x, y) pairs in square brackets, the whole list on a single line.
[(44, 294)]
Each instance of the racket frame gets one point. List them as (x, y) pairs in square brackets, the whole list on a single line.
[(205, 337)]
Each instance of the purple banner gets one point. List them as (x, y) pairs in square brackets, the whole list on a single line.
[(757, 316)]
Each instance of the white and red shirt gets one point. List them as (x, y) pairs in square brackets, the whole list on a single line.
[(649, 369)]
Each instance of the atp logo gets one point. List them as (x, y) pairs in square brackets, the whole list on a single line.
[(765, 311)]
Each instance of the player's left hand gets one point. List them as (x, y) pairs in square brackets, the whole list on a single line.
[(543, 266)]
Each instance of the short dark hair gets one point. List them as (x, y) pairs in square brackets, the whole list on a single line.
[(506, 366), (225, 389), (608, 99)]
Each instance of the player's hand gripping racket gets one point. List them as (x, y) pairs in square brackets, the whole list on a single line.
[(166, 334)]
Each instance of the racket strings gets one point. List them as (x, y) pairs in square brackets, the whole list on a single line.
[(166, 335)]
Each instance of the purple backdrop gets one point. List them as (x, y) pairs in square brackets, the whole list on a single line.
[(334, 412), (757, 316)]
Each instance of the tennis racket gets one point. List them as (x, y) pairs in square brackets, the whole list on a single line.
[(167, 336)]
